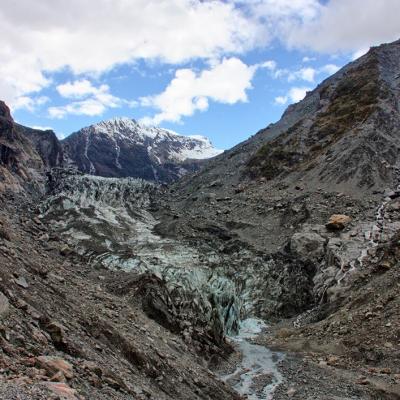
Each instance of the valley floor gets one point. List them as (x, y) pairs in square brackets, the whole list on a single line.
[(304, 374), (74, 329)]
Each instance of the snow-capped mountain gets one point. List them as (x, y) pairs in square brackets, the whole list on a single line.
[(122, 147)]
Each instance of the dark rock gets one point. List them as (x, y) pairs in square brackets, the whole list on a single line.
[(4, 306)]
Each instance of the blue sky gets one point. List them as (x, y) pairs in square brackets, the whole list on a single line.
[(223, 69)]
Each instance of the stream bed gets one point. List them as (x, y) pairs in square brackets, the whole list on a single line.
[(257, 375)]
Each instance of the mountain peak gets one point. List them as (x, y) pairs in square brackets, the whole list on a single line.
[(121, 147)]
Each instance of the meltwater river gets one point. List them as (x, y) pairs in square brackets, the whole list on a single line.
[(257, 375)]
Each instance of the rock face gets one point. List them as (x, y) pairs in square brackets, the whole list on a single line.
[(20, 164), (121, 147), (46, 144)]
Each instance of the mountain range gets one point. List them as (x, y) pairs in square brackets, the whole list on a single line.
[(122, 147)]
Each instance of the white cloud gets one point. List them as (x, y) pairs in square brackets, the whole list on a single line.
[(278, 10), (79, 89), (29, 103), (305, 74), (91, 101), (42, 128), (226, 82), (329, 69), (298, 93), (308, 59), (281, 100), (359, 53), (294, 95), (280, 73), (345, 25), (270, 65), (93, 36)]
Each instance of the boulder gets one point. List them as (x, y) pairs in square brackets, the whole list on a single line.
[(57, 333), (62, 390), (4, 305), (65, 250), (307, 245), (338, 222), (5, 231), (55, 365), (21, 281)]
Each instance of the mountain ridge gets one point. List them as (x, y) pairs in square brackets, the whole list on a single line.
[(122, 147)]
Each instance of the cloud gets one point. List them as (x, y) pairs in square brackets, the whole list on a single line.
[(79, 89), (42, 128), (279, 10), (344, 25), (359, 53), (190, 91), (329, 69), (29, 103), (91, 101), (294, 95), (328, 26), (281, 100), (93, 36), (270, 65), (61, 135), (305, 74)]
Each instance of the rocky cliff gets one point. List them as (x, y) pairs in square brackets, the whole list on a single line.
[(46, 144), (20, 164)]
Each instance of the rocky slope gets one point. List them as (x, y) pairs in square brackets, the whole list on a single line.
[(336, 153), (121, 147), (72, 331), (134, 288)]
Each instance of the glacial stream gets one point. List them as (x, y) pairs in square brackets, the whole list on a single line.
[(257, 375)]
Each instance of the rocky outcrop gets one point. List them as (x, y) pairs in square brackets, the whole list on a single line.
[(20, 164), (46, 144)]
